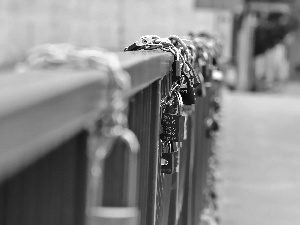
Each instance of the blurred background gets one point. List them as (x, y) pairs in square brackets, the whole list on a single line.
[(259, 144), (249, 30)]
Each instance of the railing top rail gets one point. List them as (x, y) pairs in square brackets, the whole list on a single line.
[(145, 67), (40, 109)]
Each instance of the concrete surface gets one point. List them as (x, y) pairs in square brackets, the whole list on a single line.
[(260, 158), (111, 24)]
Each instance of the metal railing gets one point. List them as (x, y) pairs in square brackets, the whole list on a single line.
[(44, 152)]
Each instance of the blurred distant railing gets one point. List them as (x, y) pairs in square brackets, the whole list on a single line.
[(45, 149)]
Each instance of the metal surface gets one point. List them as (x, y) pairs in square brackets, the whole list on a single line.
[(144, 121), (51, 191), (43, 171), (145, 67), (40, 110)]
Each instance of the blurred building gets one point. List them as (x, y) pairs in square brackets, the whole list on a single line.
[(118, 23), (265, 50), (110, 24)]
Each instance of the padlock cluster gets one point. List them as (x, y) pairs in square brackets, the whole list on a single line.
[(185, 79), (209, 63), (195, 59)]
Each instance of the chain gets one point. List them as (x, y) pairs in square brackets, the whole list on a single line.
[(183, 52), (176, 104)]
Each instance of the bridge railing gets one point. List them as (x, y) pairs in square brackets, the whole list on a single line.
[(45, 151)]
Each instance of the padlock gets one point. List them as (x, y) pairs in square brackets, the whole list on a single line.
[(168, 159), (169, 108), (200, 90), (177, 69), (204, 61), (172, 122), (215, 103), (197, 77), (106, 208), (168, 167), (187, 92), (206, 71), (212, 126), (173, 127), (199, 87)]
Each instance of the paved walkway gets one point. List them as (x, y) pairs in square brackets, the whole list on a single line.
[(260, 159)]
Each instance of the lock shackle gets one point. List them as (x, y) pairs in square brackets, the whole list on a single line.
[(178, 54), (118, 132), (173, 89), (180, 101), (170, 145), (107, 141), (166, 145), (97, 211), (130, 138), (173, 94), (192, 71), (164, 101)]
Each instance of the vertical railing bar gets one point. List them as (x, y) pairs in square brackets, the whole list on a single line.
[(81, 164), (147, 136), (68, 162), (144, 159), (154, 115), (3, 204), (156, 96)]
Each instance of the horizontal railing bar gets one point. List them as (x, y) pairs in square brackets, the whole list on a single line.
[(145, 67), (40, 109)]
